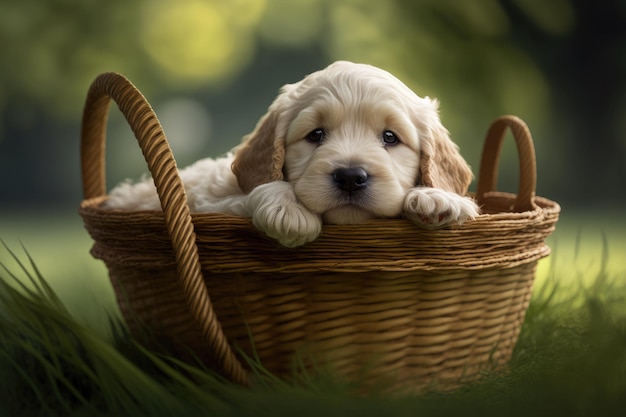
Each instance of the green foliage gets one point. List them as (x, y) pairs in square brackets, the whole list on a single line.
[(53, 49), (569, 361)]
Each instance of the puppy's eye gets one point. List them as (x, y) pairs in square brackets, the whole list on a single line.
[(316, 136), (390, 138)]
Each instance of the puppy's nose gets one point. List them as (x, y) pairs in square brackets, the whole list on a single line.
[(350, 179)]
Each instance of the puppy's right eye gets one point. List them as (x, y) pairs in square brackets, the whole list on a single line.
[(316, 136)]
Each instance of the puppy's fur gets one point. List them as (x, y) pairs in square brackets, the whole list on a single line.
[(346, 144)]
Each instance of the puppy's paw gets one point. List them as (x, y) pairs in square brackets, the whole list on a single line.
[(432, 207), (276, 212)]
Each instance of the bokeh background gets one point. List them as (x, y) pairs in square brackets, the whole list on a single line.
[(210, 68)]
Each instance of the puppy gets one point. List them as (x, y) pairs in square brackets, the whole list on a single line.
[(346, 144)]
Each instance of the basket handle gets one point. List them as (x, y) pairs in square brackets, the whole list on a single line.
[(158, 155), (487, 178)]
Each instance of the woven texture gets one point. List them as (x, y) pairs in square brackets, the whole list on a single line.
[(379, 301)]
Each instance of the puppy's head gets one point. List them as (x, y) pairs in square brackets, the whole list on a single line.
[(353, 140)]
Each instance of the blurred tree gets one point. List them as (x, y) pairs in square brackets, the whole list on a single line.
[(52, 49), (198, 40), (585, 61)]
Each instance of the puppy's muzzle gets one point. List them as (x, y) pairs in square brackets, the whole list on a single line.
[(351, 179)]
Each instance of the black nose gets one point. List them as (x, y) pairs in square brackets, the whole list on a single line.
[(350, 179)]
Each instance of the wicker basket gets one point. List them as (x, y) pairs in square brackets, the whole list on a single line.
[(384, 300)]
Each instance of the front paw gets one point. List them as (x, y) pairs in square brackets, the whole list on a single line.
[(432, 207), (279, 215)]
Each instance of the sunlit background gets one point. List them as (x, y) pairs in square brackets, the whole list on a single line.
[(210, 68)]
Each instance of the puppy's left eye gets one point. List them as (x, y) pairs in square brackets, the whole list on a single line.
[(316, 135), (390, 138)]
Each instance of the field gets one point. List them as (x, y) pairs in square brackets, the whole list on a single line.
[(570, 359)]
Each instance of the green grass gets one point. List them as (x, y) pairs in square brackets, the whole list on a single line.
[(55, 359), (569, 361)]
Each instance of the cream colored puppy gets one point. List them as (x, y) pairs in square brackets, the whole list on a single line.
[(346, 144)]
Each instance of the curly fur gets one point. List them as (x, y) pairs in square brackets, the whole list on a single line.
[(289, 184)]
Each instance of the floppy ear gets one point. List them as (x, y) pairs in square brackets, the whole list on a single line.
[(259, 159), (441, 164)]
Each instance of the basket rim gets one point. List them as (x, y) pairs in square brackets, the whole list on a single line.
[(231, 244), (544, 206)]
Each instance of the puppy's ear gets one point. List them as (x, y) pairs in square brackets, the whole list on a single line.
[(259, 159), (441, 164)]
